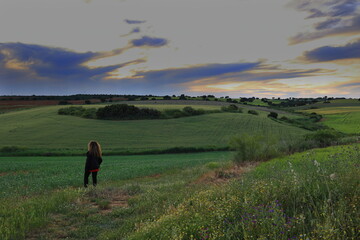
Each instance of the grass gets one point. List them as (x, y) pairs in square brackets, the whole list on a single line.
[(26, 176), (41, 130), (345, 119), (312, 195), (35, 187)]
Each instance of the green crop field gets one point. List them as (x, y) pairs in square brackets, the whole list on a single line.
[(345, 119), (26, 176), (33, 186), (43, 130)]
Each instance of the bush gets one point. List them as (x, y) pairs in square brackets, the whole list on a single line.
[(230, 108), (253, 148), (11, 149), (273, 115), (310, 123), (253, 112), (193, 112), (173, 113), (125, 112), (167, 97), (89, 113), (324, 138)]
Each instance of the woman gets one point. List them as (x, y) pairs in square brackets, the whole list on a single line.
[(93, 161)]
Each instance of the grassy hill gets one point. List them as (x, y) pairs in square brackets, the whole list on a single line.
[(43, 130), (342, 115)]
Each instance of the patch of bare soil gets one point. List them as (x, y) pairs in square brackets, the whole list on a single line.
[(105, 200), (221, 176)]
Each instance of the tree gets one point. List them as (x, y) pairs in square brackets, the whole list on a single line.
[(167, 97)]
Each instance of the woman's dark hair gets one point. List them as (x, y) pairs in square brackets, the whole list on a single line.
[(94, 149)]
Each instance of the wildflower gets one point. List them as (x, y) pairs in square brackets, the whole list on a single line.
[(332, 176)]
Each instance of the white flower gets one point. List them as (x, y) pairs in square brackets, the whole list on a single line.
[(332, 176)]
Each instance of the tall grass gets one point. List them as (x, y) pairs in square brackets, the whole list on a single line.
[(19, 217), (254, 148), (312, 195)]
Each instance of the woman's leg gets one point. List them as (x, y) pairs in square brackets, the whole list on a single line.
[(86, 178), (94, 178)]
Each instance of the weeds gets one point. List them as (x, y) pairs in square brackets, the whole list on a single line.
[(311, 195)]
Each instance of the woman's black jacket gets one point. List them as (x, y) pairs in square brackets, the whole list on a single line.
[(92, 162)]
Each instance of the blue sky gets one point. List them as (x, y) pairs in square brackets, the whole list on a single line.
[(238, 48)]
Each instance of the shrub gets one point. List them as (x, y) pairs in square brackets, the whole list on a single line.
[(324, 138), (253, 148), (273, 115), (310, 123), (253, 112), (89, 113), (192, 112), (124, 111), (174, 113), (230, 108), (11, 149)]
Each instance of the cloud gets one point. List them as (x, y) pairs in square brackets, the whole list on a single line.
[(146, 41), (341, 17), (181, 75), (329, 23), (330, 53), (32, 64), (344, 8), (329, 8), (134, 21), (217, 77), (135, 30), (35, 69)]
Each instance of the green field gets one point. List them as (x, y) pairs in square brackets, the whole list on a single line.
[(43, 130), (33, 187), (26, 176), (309, 195), (313, 194), (344, 118)]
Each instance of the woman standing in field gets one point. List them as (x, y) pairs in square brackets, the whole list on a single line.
[(93, 161)]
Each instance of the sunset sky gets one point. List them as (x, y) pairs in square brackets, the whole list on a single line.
[(237, 48)]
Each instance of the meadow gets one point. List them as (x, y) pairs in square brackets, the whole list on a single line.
[(34, 187), (42, 131), (342, 118), (205, 195), (311, 195)]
